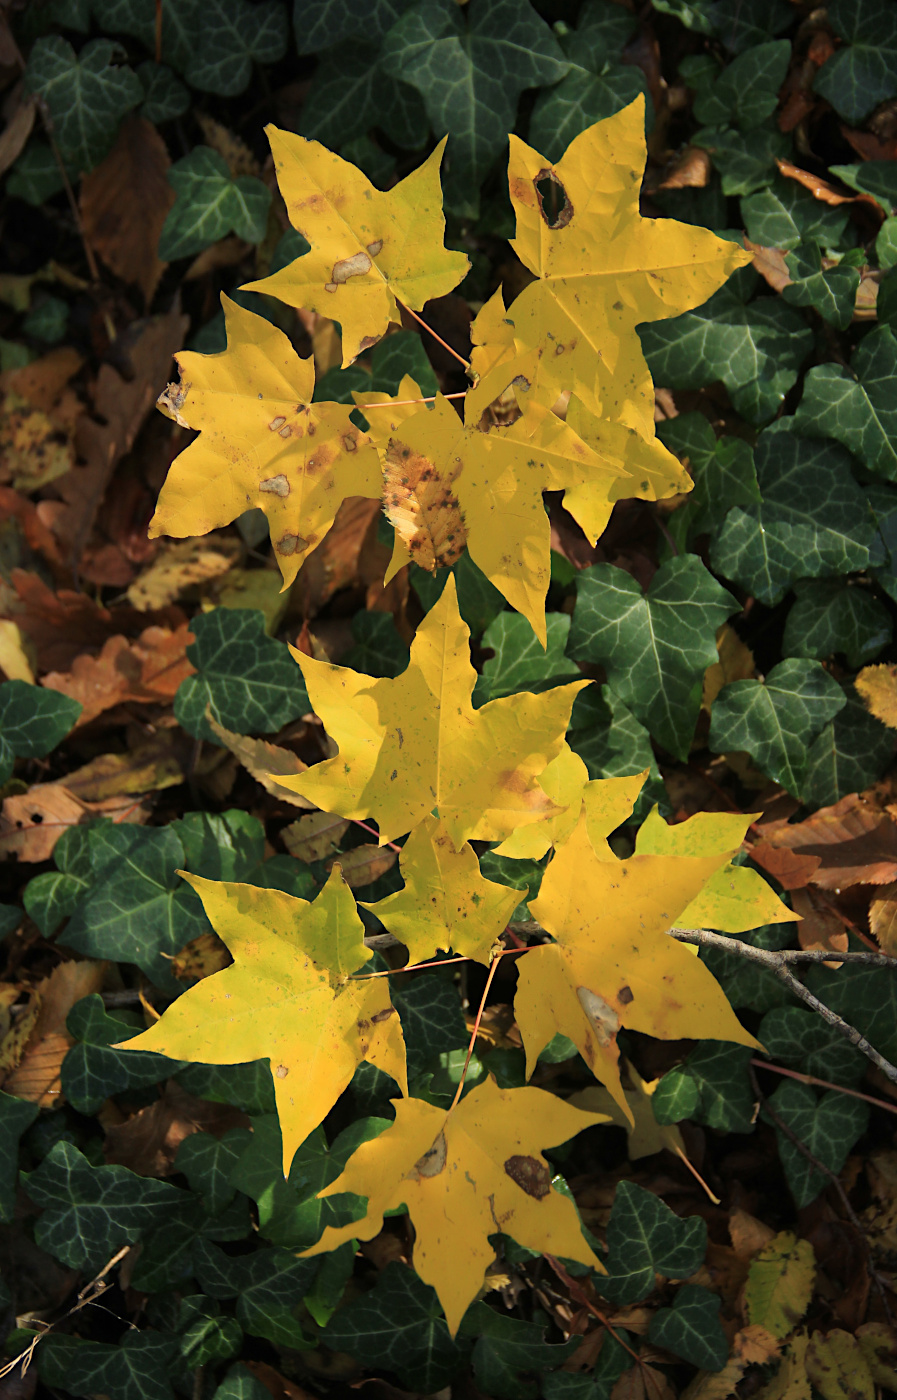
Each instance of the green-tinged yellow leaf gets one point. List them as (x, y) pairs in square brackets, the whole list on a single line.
[(289, 997), (446, 903), (838, 1368), (780, 1284), (465, 1175), (262, 443), (414, 745), (564, 781), (370, 249), (790, 1381)]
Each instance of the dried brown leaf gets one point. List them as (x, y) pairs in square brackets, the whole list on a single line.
[(736, 663), (266, 762), (315, 836), (364, 864), (856, 843), (147, 671), (36, 1075), (180, 565), (32, 822), (149, 768), (883, 918), (878, 687), (148, 1142), (821, 189), (792, 869), (820, 927), (124, 203), (770, 263)]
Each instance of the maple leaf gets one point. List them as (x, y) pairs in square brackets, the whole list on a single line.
[(289, 997), (414, 745), (601, 268), (464, 1175), (262, 443), (371, 250), (564, 781), (612, 963), (446, 903)]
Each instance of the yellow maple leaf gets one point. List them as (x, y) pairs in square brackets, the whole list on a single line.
[(371, 250), (446, 903), (288, 997), (464, 1175), (646, 1136), (601, 268), (612, 962), (262, 443), (563, 781), (414, 745)]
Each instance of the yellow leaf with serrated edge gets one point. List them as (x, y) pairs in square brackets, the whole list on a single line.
[(612, 963), (601, 269), (464, 1175), (414, 745), (262, 442), (447, 482), (877, 686), (288, 997), (563, 781), (371, 250), (446, 903), (780, 1284), (838, 1368), (735, 899)]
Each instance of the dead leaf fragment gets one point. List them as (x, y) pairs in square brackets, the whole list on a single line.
[(770, 263), (736, 663), (180, 565), (780, 1284), (364, 864), (878, 687), (34, 449), (36, 1076), (148, 1142), (266, 762), (239, 157), (147, 671), (791, 869), (32, 822), (419, 501), (883, 918), (315, 836), (838, 1368), (124, 203), (149, 768), (821, 189), (200, 958), (17, 131), (855, 842)]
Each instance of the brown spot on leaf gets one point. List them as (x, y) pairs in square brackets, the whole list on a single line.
[(433, 1160), (290, 544), (356, 266), (531, 1175), (281, 1072), (277, 485), (624, 996)]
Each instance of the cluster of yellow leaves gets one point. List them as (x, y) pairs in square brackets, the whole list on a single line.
[(415, 756), (566, 348)]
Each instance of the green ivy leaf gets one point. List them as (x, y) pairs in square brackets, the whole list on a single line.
[(509, 1353), (470, 66), (249, 681), (136, 1368), (863, 1000), (210, 204), (597, 1384), (92, 1071), (747, 985), (723, 471), (89, 1212), (775, 720), (738, 28), (799, 1039), (691, 1328), (15, 1117), (832, 293), (644, 1238), (87, 95), (234, 35), (830, 616), (756, 350), (164, 95), (711, 1086), (349, 94), (432, 1021), (597, 85), (207, 1162), (857, 406), (479, 601), (863, 72), (828, 1125), (852, 751), (612, 744), (268, 1284), (32, 722), (875, 177), (379, 650), (397, 355), (813, 521), (398, 1326), (248, 1087), (519, 661), (746, 160), (241, 1384), (746, 92), (10, 918), (206, 1335), (35, 177), (654, 646), (785, 214), (320, 24), (53, 896)]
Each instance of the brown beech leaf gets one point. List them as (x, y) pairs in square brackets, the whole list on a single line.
[(856, 843), (820, 926), (821, 189), (315, 836), (364, 864), (36, 1075), (336, 561), (883, 917), (266, 762), (147, 1143), (124, 202), (792, 869), (32, 822), (147, 671)]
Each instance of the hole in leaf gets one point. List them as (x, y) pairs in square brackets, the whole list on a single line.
[(554, 202)]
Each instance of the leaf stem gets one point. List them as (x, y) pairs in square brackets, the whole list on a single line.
[(429, 398), (391, 844), (444, 343), (825, 1084), (476, 1028)]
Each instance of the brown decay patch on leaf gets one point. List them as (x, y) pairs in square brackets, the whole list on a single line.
[(433, 1160), (419, 502), (531, 1175), (355, 266), (561, 217)]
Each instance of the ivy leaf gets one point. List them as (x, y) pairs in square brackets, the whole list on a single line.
[(814, 519), (746, 92), (136, 1368), (756, 349), (712, 1086), (210, 204), (853, 751), (389, 727), (863, 72), (609, 739), (655, 646), (832, 617), (519, 662), (856, 406), (267, 1283), (785, 214), (864, 1001), (800, 1039), (208, 1162), (597, 85), (15, 1117), (723, 471), (240, 1384), (746, 160), (470, 71), (164, 96), (774, 721), (320, 24), (873, 177), (398, 1326), (205, 1334), (93, 1071), (828, 1125), (245, 677), (317, 1033), (691, 1328), (509, 1353), (645, 1238), (432, 1020), (234, 34), (51, 897), (479, 601), (832, 293), (140, 910), (86, 95), (399, 354), (379, 650), (32, 722), (89, 1212)]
